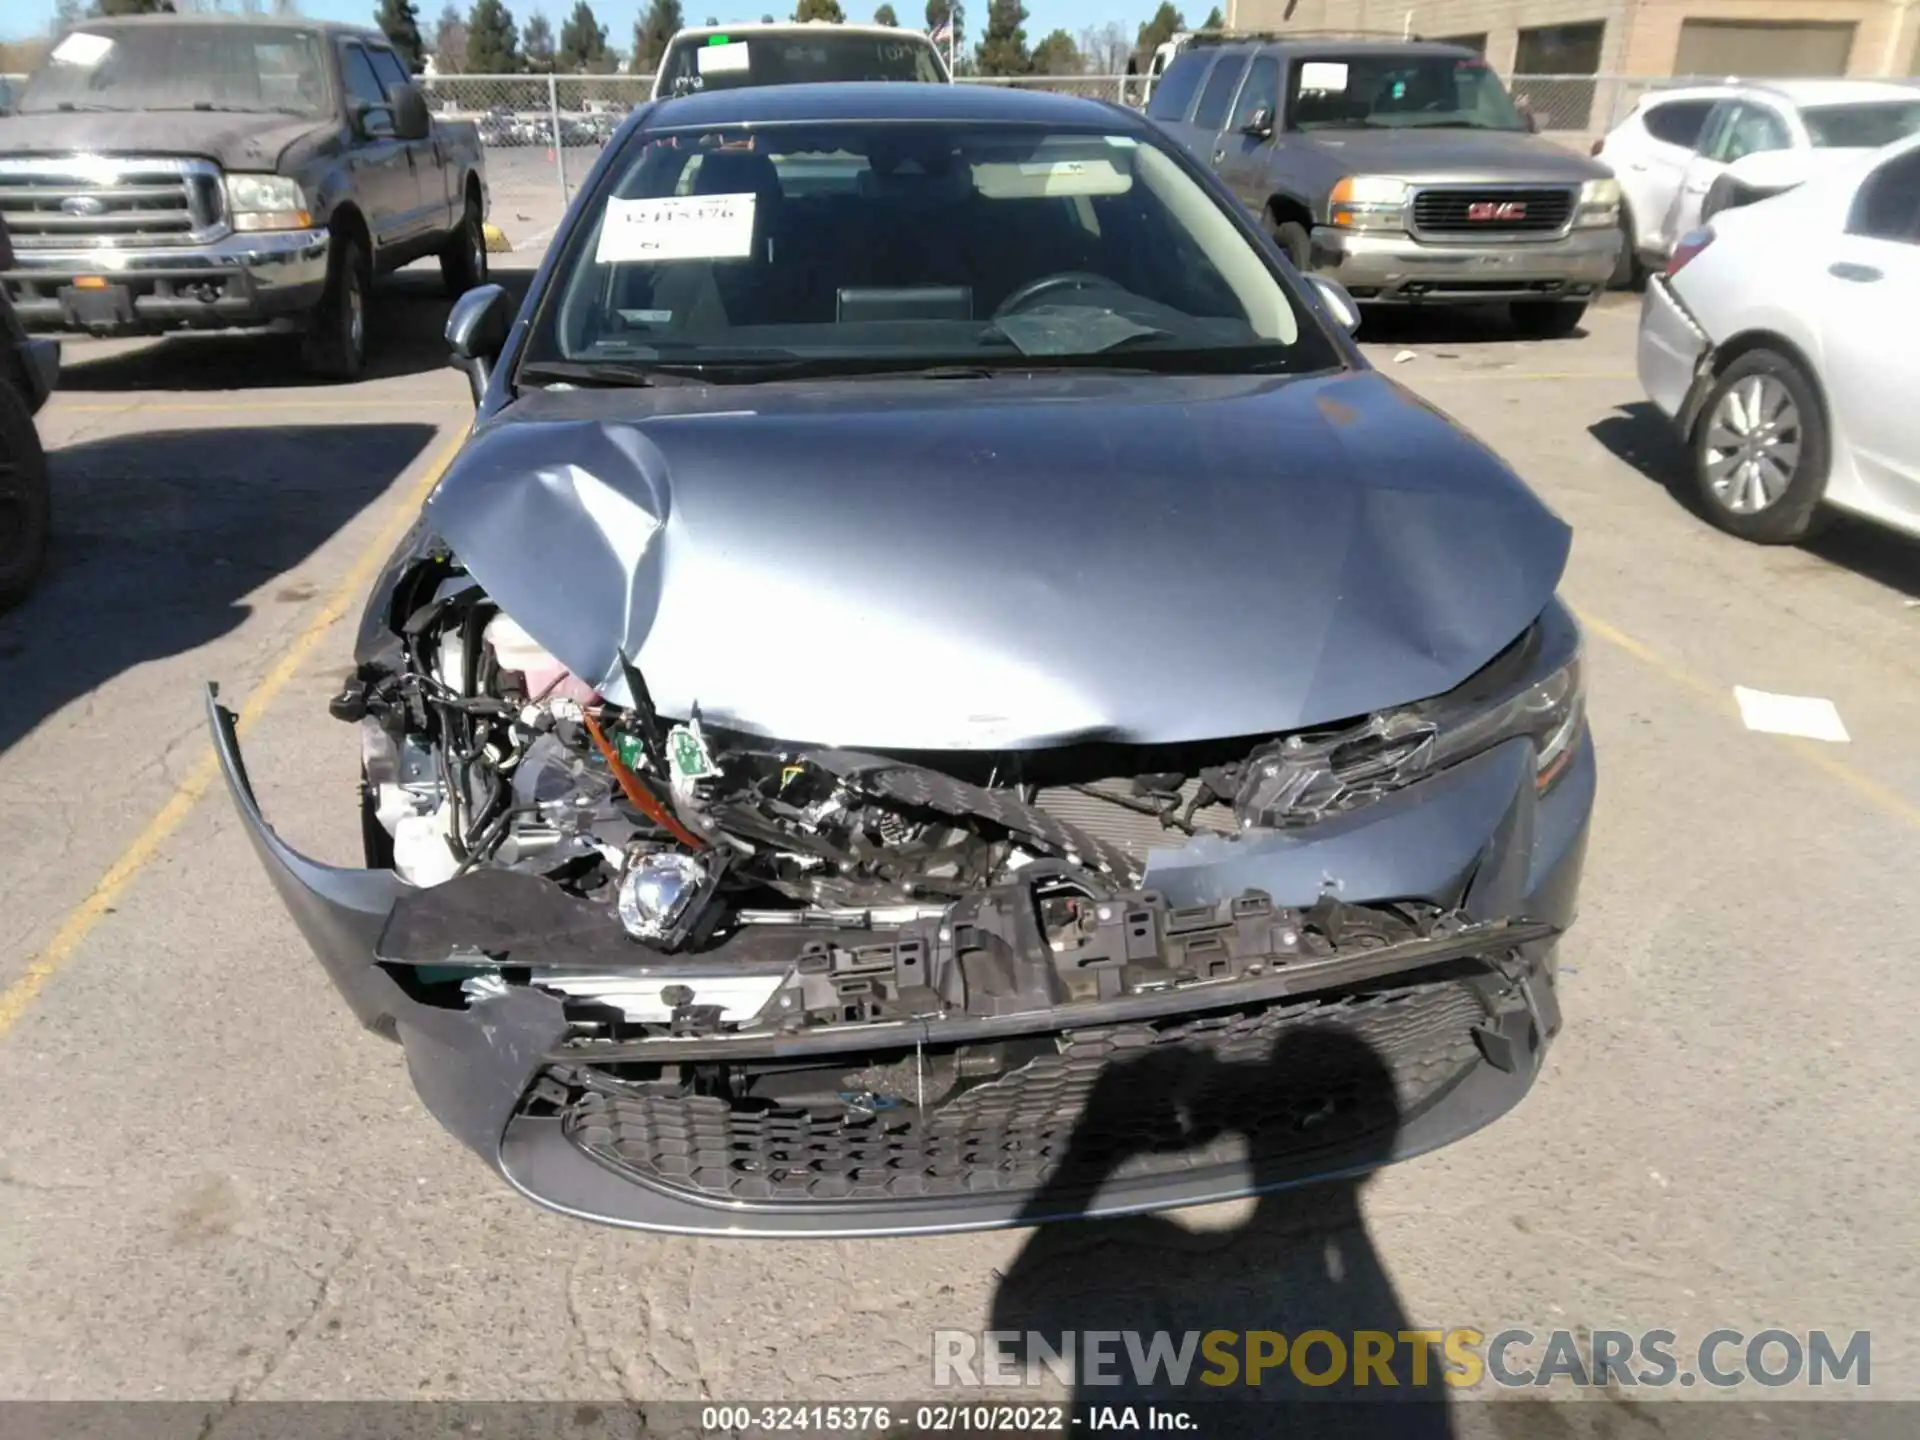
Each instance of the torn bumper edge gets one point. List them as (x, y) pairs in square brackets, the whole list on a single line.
[(472, 1068)]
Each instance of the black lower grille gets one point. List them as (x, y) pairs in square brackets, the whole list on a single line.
[(1503, 210), (1130, 1102)]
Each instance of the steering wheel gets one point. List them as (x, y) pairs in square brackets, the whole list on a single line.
[(1060, 280)]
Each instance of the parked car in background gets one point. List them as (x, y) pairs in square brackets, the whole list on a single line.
[(1401, 169), (726, 57), (190, 172), (1045, 930), (29, 369), (1781, 341), (1686, 153)]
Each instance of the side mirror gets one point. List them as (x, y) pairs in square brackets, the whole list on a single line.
[(1339, 303), (410, 118), (477, 333), (373, 122), (1259, 124), (1771, 171)]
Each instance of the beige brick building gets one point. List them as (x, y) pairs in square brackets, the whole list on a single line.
[(1635, 37)]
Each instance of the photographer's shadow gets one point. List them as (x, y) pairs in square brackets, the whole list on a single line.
[(1322, 1102)]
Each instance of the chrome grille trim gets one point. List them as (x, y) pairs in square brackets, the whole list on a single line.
[(107, 202), (1437, 212)]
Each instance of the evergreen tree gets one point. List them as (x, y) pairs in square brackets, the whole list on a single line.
[(1058, 55), (1003, 49), (537, 44), (1156, 32), (1214, 21), (828, 10), (493, 40), (885, 16), (401, 23), (583, 41), (657, 24)]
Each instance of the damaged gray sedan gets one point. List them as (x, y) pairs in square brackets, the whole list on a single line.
[(933, 613)]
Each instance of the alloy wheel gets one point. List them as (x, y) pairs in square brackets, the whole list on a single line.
[(1753, 445)]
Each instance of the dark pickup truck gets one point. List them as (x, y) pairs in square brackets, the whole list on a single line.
[(1401, 169), (184, 172)]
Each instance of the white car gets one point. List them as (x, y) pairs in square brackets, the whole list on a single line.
[(717, 57), (1670, 152), (1781, 341)]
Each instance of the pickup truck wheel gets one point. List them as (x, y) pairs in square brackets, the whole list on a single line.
[(337, 333), (1547, 319), (1294, 242), (463, 261), (25, 507)]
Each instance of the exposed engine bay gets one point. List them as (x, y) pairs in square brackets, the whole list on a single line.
[(705, 884)]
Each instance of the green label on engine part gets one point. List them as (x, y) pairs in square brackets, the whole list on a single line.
[(687, 754), (632, 753)]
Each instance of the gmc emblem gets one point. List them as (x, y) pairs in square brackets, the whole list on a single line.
[(1497, 210)]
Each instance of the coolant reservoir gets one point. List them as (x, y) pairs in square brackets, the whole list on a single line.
[(545, 676)]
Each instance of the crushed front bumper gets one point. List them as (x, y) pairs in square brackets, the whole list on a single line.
[(1396, 269), (244, 281), (1672, 353), (1271, 1078)]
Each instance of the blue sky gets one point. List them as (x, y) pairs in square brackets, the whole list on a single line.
[(27, 17)]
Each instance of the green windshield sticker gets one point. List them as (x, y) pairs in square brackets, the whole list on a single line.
[(718, 40)]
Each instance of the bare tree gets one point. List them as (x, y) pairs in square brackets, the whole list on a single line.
[(1105, 48)]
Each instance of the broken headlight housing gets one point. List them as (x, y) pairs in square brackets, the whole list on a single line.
[(1535, 688)]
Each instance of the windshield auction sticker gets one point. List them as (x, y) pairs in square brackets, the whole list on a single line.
[(82, 48), (681, 227), (723, 59)]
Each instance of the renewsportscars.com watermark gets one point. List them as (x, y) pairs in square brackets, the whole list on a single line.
[(1379, 1359)]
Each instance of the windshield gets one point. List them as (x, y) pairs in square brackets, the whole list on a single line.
[(1861, 127), (722, 62), (1400, 90), (869, 246), (182, 67)]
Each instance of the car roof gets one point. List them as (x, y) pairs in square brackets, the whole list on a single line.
[(339, 28), (748, 28), (887, 100), (1331, 46), (1802, 93)]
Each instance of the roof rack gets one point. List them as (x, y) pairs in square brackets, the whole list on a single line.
[(1234, 37)]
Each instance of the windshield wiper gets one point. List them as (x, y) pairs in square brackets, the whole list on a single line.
[(605, 373), (76, 106)]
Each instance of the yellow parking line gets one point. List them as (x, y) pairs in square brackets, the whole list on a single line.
[(1814, 752), (80, 921)]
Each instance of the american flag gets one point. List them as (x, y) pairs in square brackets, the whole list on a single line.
[(942, 33)]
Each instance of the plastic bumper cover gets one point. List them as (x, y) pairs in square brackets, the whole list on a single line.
[(1394, 268), (241, 280), (1474, 836), (1671, 352)]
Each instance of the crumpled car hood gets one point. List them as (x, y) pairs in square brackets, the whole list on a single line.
[(970, 564)]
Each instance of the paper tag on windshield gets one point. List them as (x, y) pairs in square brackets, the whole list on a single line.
[(1323, 75), (680, 227), (725, 59), (82, 49)]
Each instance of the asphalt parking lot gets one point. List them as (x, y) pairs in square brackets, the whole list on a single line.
[(214, 1186)]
